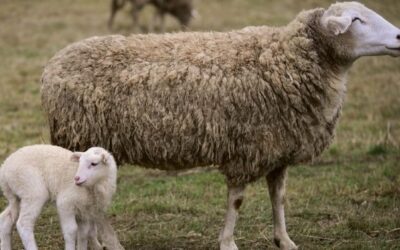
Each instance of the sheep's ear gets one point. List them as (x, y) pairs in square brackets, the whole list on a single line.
[(103, 158), (195, 14), (75, 156), (337, 24)]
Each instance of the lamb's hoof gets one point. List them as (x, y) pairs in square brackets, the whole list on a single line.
[(228, 245), (286, 244)]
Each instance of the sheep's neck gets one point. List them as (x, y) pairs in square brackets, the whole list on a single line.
[(308, 84), (102, 193)]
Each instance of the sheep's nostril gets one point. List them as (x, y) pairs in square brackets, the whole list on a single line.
[(76, 178), (398, 36)]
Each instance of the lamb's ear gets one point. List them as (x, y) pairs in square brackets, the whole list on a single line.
[(104, 157), (75, 156), (337, 24)]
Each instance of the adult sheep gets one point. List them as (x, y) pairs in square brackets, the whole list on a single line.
[(251, 101)]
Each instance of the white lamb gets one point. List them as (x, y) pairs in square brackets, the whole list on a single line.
[(35, 174)]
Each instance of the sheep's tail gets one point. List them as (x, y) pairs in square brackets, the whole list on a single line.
[(12, 199), (3, 184), (6, 190), (9, 216)]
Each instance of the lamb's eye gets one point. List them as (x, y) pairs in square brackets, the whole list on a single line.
[(94, 164), (357, 19)]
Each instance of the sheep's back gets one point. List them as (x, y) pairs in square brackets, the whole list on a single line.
[(47, 164), (172, 101)]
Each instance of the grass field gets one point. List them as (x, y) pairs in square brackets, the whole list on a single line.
[(347, 199)]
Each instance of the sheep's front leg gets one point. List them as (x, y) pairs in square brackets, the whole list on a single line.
[(115, 6), (107, 234), (68, 225), (136, 8), (83, 234), (276, 185), (94, 241), (235, 198)]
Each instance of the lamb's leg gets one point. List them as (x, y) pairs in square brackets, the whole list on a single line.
[(7, 220), (235, 198), (29, 211), (276, 186), (107, 234), (68, 224), (93, 236), (83, 234)]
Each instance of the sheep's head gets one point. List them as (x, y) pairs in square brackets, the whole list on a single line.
[(361, 31), (183, 10), (95, 165)]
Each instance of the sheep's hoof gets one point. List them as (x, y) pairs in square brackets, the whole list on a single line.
[(287, 244), (228, 245)]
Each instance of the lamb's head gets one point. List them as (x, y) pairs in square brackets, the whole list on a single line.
[(95, 165), (360, 31)]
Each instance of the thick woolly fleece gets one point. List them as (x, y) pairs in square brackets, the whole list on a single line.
[(249, 100)]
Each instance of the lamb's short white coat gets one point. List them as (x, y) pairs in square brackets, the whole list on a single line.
[(35, 174)]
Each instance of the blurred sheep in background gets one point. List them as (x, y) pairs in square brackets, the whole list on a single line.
[(182, 10)]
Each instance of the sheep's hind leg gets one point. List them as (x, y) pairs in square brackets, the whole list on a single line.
[(29, 211), (115, 6), (7, 220), (235, 198), (276, 186)]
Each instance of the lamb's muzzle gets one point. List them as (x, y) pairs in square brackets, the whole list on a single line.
[(77, 180)]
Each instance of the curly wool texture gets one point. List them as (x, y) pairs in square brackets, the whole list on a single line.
[(249, 100)]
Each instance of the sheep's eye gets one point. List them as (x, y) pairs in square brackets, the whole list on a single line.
[(94, 164), (357, 19)]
